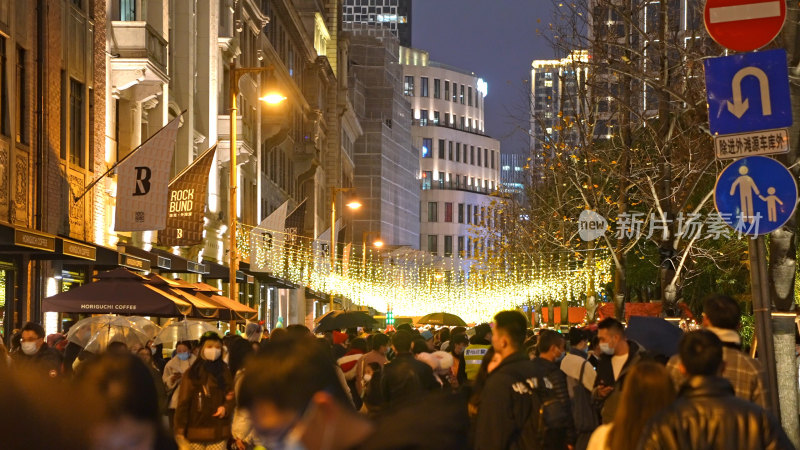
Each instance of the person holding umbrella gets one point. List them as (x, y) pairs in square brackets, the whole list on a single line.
[(205, 399)]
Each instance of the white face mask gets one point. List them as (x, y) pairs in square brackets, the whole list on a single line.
[(211, 353), (29, 348), (606, 348)]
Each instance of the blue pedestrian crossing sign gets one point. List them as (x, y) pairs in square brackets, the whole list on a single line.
[(748, 92), (755, 195)]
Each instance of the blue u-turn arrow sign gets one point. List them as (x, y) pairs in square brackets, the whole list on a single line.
[(748, 92)]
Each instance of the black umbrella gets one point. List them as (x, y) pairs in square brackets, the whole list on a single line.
[(337, 320), (442, 319), (654, 334)]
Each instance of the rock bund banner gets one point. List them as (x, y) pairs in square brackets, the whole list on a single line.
[(142, 182), (187, 203)]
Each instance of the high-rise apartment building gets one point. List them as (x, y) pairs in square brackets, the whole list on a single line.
[(555, 97), (459, 165), (379, 18)]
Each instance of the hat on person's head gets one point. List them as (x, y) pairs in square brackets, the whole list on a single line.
[(427, 335), (403, 326), (339, 337), (252, 332)]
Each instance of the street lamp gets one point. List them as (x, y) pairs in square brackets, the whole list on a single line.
[(272, 98), (352, 204), (378, 243)]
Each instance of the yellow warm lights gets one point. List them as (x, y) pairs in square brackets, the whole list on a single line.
[(413, 285)]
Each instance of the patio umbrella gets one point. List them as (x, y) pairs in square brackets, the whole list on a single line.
[(654, 334), (184, 330), (95, 333), (118, 291), (442, 319), (337, 320)]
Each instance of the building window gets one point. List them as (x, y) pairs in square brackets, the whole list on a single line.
[(458, 152), (423, 117), (437, 88), (427, 148), (455, 92), (469, 248), (485, 157), (477, 99), (433, 212), (448, 246), (460, 213), (22, 98), (433, 244), (441, 179), (127, 10), (448, 212), (461, 246), (476, 212), (436, 117), (479, 156), (450, 150), (492, 159), (427, 176), (447, 119), (77, 132), (463, 122), (408, 87), (469, 95), (472, 155), (469, 214), (446, 90), (441, 148), (461, 97), (5, 119), (424, 86)]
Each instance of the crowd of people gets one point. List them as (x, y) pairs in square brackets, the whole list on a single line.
[(494, 386)]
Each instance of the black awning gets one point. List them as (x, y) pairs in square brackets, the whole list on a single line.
[(25, 241), (267, 278), (220, 272)]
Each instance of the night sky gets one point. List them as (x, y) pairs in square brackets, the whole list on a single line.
[(497, 40)]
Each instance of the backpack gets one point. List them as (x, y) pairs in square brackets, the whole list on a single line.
[(583, 410), (547, 412)]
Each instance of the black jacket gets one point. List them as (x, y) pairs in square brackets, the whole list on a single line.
[(552, 371), (405, 379), (708, 415), (605, 376), (436, 420), (503, 409), (46, 361)]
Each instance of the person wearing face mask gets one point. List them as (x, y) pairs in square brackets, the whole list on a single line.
[(205, 399), (173, 374), (546, 368), (380, 345), (34, 354), (619, 355)]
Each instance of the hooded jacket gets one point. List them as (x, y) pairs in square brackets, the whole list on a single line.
[(707, 414)]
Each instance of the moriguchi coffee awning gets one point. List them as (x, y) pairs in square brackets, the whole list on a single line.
[(118, 291)]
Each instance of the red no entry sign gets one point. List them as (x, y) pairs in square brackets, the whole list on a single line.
[(744, 25)]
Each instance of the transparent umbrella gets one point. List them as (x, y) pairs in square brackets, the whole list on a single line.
[(130, 336), (185, 330), (146, 325), (86, 329)]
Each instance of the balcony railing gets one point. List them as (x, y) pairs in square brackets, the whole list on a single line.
[(453, 186), (133, 40), (434, 123)]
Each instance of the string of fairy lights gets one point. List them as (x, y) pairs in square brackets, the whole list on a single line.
[(413, 283)]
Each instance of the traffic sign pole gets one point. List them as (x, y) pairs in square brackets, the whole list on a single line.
[(762, 312)]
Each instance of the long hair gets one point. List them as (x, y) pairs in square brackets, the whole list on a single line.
[(648, 389)]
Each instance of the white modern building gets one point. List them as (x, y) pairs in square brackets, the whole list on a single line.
[(459, 165)]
